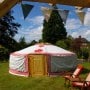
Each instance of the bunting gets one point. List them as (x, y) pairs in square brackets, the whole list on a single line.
[(46, 12), (79, 8), (87, 19), (26, 8), (81, 15), (64, 15), (50, 4), (1, 1)]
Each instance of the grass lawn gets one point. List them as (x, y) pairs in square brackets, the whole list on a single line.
[(11, 82)]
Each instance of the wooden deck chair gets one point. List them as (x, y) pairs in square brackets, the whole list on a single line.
[(75, 74), (82, 84)]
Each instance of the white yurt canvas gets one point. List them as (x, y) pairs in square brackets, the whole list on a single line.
[(41, 59)]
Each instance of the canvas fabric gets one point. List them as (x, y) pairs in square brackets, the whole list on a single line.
[(63, 63), (17, 63), (88, 77)]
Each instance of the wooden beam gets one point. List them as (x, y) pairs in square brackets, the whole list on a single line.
[(6, 6), (80, 3)]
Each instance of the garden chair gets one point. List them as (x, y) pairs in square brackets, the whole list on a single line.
[(82, 84), (75, 74)]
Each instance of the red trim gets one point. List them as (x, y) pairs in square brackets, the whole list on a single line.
[(57, 73), (39, 50), (19, 72), (55, 54), (17, 54), (48, 64), (26, 64)]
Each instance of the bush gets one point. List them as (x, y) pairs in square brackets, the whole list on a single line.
[(61, 44), (3, 53), (85, 53)]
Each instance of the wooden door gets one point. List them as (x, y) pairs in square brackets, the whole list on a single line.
[(37, 65)]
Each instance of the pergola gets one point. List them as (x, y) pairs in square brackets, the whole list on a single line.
[(80, 3), (6, 5)]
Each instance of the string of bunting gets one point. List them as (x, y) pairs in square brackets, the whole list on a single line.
[(26, 8), (47, 12), (64, 13)]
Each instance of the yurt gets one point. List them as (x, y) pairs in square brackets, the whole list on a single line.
[(41, 59)]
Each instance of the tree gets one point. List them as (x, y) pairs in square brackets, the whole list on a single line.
[(33, 42), (54, 29), (61, 44), (3, 53), (8, 29), (22, 42), (68, 42), (84, 53), (7, 25)]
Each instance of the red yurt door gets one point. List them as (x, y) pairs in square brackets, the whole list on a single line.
[(37, 66)]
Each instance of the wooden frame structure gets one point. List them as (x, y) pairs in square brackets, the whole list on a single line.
[(6, 5)]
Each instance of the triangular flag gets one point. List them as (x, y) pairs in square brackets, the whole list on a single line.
[(79, 8), (1, 1), (64, 15), (81, 15), (87, 19), (26, 8), (46, 12), (50, 4)]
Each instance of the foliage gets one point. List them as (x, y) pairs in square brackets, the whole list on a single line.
[(85, 53), (33, 42), (68, 42), (3, 53), (8, 29), (9, 43), (22, 43), (40, 41), (54, 29), (65, 43), (7, 25), (61, 44)]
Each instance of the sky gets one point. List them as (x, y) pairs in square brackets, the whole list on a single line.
[(31, 27)]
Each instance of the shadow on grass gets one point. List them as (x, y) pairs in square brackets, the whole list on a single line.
[(85, 71)]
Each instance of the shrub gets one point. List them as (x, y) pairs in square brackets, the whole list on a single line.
[(3, 53), (85, 53)]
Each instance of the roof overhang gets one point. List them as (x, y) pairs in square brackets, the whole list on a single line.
[(6, 5), (80, 3)]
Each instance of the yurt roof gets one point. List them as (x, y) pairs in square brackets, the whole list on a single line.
[(44, 49)]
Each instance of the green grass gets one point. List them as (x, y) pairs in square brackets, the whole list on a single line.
[(12, 82)]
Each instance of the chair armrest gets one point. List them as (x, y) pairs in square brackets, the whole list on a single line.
[(68, 73), (75, 79)]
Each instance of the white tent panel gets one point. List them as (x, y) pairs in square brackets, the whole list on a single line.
[(17, 63)]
